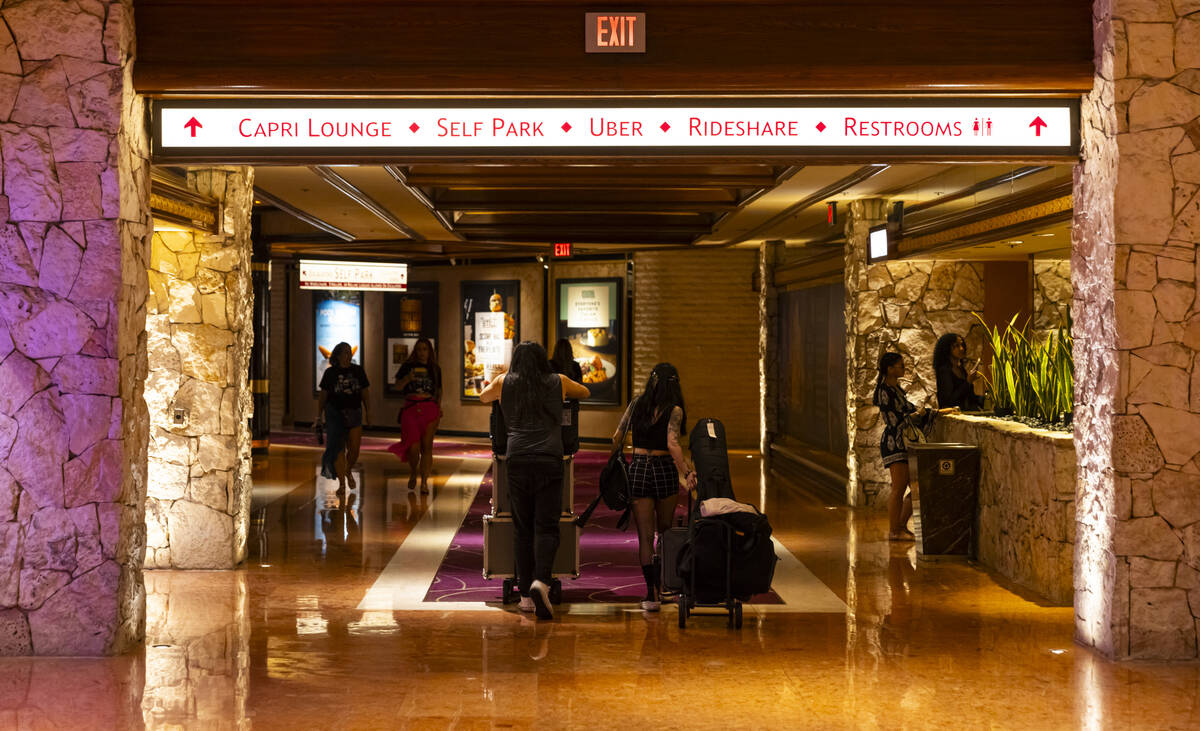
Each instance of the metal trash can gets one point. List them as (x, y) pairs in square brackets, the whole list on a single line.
[(944, 479)]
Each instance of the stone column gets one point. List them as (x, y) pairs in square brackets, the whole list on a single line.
[(1137, 335), (903, 306), (769, 256), (200, 336), (74, 220), (868, 484)]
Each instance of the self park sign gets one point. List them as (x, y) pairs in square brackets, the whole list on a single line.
[(249, 130)]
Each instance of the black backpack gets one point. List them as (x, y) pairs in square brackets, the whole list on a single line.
[(751, 555)]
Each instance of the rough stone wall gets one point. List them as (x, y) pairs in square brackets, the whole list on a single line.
[(73, 226), (1051, 294), (903, 306), (200, 335), (769, 255), (1134, 270), (1026, 523)]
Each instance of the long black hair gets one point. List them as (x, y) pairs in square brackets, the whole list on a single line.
[(527, 375), (941, 351), (662, 394), (886, 361), (563, 357)]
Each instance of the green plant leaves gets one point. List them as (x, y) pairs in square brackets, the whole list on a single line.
[(1034, 376)]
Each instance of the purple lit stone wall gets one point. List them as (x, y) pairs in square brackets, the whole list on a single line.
[(74, 222), (1137, 327)]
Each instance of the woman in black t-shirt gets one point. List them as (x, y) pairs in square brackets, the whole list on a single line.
[(563, 361), (420, 380), (342, 409)]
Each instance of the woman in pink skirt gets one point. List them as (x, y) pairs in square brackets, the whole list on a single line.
[(420, 380)]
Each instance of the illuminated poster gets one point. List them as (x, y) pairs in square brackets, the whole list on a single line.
[(589, 317), (337, 318), (500, 304), (407, 317)]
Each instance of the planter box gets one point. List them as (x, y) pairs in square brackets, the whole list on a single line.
[(1026, 523)]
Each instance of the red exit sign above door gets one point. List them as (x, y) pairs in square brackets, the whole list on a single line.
[(615, 32)]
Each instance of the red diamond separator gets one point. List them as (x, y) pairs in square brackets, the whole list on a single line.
[(414, 126), (664, 127), (566, 127), (820, 126)]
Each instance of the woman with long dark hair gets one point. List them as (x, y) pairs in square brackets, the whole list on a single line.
[(420, 380), (955, 381), (531, 398), (656, 418), (343, 408), (563, 361), (897, 411)]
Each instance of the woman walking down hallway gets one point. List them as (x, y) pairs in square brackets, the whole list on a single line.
[(342, 410), (531, 398), (563, 361), (657, 418), (898, 412), (420, 380)]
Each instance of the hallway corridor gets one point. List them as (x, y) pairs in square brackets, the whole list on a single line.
[(321, 629)]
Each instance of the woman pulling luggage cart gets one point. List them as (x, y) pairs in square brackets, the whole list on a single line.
[(656, 418)]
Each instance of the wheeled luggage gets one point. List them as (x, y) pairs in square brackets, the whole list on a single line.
[(498, 562), (670, 546), (501, 499), (726, 558)]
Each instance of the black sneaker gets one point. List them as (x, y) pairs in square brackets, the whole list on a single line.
[(540, 593)]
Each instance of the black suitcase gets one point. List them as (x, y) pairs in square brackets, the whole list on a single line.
[(497, 430), (570, 427), (670, 546)]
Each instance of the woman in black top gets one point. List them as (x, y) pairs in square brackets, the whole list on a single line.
[(563, 361), (531, 398), (955, 382), (420, 380), (343, 409), (657, 418)]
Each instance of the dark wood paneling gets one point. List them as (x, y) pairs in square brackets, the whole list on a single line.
[(398, 46)]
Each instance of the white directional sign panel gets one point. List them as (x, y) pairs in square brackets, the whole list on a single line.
[(364, 275), (961, 126)]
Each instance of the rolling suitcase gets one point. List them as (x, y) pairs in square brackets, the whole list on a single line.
[(501, 500), (498, 555)]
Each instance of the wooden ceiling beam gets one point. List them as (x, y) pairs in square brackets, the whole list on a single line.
[(627, 181)]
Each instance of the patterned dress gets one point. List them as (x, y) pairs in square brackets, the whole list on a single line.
[(897, 410)]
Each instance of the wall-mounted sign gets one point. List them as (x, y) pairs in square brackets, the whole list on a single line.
[(337, 318), (561, 250), (248, 130), (614, 32), (590, 320), (483, 356), (877, 244), (375, 276)]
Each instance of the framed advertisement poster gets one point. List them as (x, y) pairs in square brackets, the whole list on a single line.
[(589, 317), (407, 317), (337, 318), (491, 320)]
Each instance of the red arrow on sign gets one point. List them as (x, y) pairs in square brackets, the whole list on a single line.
[(193, 124), (1038, 123)]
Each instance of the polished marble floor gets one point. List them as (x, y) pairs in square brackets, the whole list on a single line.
[(326, 627)]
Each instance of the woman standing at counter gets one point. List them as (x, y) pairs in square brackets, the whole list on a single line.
[(955, 382), (897, 412)]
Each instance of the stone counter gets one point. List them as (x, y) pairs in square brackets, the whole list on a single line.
[(1026, 524)]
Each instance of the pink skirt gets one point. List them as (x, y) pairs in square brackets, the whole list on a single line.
[(415, 418)]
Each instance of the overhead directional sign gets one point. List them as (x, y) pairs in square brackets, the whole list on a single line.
[(251, 129)]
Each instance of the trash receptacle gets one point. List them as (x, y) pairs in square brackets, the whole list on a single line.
[(944, 478)]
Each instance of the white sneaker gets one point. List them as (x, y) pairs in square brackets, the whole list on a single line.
[(526, 604), (650, 606), (539, 593)]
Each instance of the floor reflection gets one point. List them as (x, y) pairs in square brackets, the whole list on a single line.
[(284, 642)]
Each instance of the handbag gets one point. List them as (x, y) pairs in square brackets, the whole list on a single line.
[(912, 431), (614, 487)]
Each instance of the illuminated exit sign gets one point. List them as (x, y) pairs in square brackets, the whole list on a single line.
[(615, 32), (562, 250), (361, 131)]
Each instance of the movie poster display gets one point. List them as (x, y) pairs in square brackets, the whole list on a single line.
[(407, 317), (337, 317), (491, 320), (589, 317)]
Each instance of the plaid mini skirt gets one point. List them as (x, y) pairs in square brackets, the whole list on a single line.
[(653, 476)]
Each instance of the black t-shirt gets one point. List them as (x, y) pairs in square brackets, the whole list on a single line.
[(425, 379), (344, 386)]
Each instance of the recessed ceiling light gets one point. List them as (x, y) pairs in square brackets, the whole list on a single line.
[(1017, 241), (1044, 235)]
